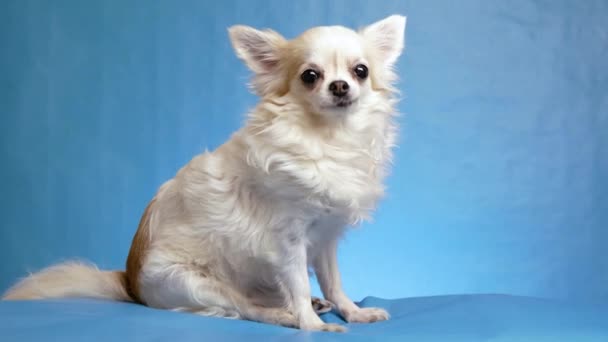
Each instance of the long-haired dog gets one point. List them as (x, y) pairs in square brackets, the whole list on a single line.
[(235, 232)]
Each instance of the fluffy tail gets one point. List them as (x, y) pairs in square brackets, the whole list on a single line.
[(71, 279)]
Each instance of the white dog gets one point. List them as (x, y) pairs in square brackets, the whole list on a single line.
[(235, 232)]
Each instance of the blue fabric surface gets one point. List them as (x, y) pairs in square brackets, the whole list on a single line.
[(499, 182), (443, 318)]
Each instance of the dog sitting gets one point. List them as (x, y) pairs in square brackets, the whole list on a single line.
[(235, 232)]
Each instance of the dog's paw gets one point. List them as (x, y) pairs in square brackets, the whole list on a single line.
[(331, 327), (365, 315), (321, 305), (322, 326)]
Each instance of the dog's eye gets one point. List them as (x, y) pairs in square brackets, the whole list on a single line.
[(309, 76), (361, 71)]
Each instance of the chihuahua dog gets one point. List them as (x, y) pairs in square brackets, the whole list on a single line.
[(236, 231)]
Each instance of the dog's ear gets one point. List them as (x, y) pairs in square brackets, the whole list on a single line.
[(261, 50), (386, 38)]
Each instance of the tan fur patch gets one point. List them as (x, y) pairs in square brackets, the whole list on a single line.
[(139, 246)]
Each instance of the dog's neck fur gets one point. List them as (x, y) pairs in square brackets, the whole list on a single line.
[(337, 161)]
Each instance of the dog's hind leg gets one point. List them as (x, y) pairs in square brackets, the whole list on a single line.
[(183, 288)]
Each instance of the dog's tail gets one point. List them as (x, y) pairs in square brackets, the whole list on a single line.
[(71, 279)]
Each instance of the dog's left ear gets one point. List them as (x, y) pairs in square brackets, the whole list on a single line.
[(259, 49), (386, 37)]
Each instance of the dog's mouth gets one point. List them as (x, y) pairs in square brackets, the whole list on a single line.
[(343, 103), (339, 105)]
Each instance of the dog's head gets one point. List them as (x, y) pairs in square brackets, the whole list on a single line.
[(329, 70)]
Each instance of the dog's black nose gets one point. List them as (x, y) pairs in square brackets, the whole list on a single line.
[(339, 88)]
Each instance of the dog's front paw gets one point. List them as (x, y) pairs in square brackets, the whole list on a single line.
[(365, 315), (331, 327)]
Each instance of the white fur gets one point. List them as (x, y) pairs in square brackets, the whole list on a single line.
[(59, 280), (234, 232)]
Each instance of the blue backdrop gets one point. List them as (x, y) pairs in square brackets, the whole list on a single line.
[(499, 183)]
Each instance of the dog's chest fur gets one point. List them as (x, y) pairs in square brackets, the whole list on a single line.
[(305, 186), (339, 174)]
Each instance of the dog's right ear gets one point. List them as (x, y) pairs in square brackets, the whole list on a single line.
[(261, 50), (387, 38)]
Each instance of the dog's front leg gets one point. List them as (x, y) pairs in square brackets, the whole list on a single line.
[(295, 277), (326, 269)]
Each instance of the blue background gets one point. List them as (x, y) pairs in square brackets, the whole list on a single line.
[(499, 183)]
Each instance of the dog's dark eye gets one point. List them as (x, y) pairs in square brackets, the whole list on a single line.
[(309, 76), (361, 71)]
